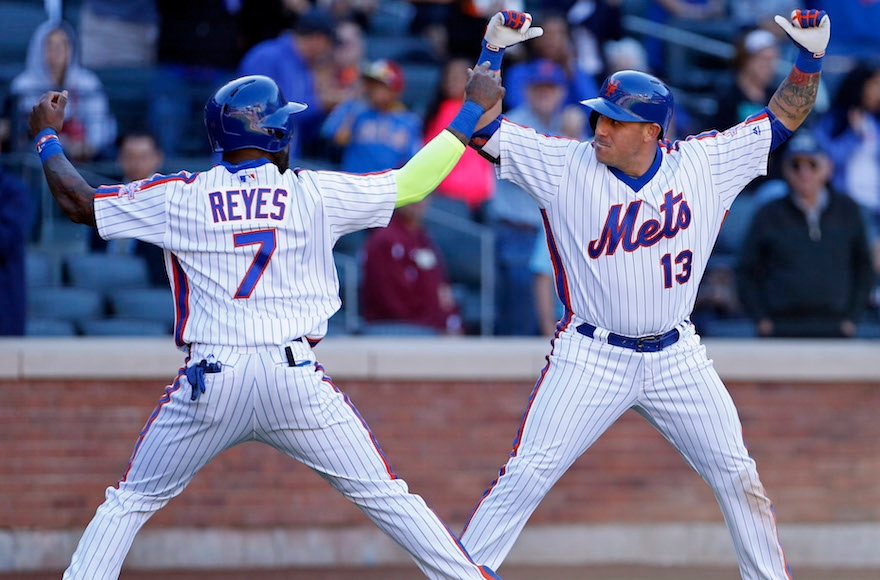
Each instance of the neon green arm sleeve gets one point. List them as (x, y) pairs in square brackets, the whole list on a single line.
[(423, 173)]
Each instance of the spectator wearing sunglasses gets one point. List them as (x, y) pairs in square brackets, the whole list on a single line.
[(805, 267)]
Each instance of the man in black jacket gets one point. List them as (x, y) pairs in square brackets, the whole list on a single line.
[(805, 268)]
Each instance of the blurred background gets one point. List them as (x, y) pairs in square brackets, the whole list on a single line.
[(796, 341), (380, 78)]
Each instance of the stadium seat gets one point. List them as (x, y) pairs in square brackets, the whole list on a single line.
[(736, 224), (397, 329), (422, 82), (729, 328), (459, 241), (49, 327), (401, 49), (20, 20), (155, 304), (38, 269), (351, 244), (122, 327), (347, 319), (391, 18), (8, 71), (64, 303), (106, 273), (468, 251), (454, 206), (129, 91), (868, 330)]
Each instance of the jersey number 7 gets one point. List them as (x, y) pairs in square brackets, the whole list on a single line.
[(267, 243)]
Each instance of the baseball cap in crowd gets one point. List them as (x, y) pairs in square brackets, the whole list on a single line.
[(543, 71), (757, 40), (386, 72), (752, 43), (804, 144), (316, 21)]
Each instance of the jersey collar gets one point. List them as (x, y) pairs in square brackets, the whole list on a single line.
[(637, 183), (246, 165)]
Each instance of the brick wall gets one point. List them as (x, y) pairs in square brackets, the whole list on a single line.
[(62, 442)]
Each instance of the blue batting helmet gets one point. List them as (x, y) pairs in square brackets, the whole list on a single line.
[(630, 95), (250, 112)]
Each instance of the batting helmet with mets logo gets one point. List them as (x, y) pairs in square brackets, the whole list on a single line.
[(250, 112), (634, 96)]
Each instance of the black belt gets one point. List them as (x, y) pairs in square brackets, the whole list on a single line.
[(291, 361), (653, 343)]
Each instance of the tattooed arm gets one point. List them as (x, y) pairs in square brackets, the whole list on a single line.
[(794, 99), (74, 195)]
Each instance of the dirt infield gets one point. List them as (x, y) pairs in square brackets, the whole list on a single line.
[(516, 573)]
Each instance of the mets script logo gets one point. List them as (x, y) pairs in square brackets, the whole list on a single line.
[(622, 231), (611, 88)]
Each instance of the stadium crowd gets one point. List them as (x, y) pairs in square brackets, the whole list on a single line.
[(380, 79)]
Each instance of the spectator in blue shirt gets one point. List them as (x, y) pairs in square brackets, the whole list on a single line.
[(377, 132), (291, 60), (513, 215), (555, 45)]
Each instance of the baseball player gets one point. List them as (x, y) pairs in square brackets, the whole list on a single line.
[(248, 252), (630, 221)]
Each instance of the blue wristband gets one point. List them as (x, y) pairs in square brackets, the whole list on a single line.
[(491, 53), (47, 144), (807, 63), (467, 118)]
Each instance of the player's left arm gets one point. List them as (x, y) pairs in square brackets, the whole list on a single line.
[(810, 30), (74, 195), (482, 108), (427, 168)]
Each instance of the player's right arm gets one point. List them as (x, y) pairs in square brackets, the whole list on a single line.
[(74, 195), (505, 28)]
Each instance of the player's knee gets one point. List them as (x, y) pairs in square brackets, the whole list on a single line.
[(127, 498), (538, 475), (737, 479)]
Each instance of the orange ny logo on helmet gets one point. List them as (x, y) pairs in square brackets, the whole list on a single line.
[(611, 88)]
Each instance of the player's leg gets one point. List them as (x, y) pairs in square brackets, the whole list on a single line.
[(690, 406), (304, 415), (179, 438), (584, 388)]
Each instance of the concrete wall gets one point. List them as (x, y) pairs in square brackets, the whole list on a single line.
[(445, 412)]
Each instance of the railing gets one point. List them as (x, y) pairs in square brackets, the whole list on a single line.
[(349, 277), (457, 237), (678, 36)]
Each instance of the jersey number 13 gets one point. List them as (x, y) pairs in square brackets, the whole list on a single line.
[(682, 263)]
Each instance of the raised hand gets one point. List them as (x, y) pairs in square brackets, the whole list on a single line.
[(483, 87), (48, 113), (809, 29), (510, 27)]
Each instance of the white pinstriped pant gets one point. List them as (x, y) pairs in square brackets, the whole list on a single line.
[(297, 410), (586, 386)]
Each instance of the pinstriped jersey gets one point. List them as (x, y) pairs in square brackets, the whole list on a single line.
[(248, 250), (629, 254)]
